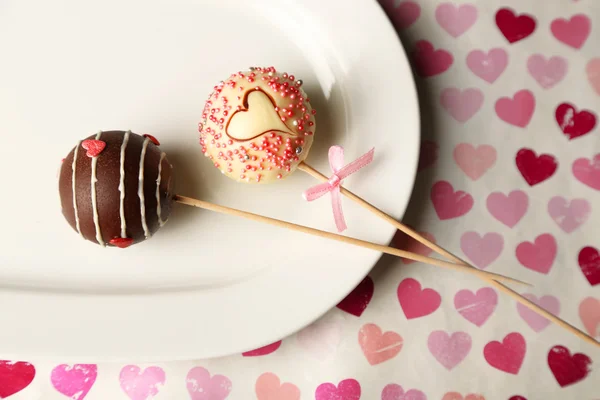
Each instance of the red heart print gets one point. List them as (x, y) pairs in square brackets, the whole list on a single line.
[(357, 301), (348, 389), (513, 27), (588, 171), (449, 204), (506, 356), (517, 397), (538, 256), (94, 147), (535, 169), (415, 302), (14, 377), (517, 110), (573, 32), (566, 368), (430, 62), (404, 15), (263, 351), (428, 154), (589, 262), (407, 243), (573, 123)]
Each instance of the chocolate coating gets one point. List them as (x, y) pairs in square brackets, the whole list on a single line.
[(107, 189)]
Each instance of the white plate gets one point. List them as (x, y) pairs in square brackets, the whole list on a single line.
[(70, 68)]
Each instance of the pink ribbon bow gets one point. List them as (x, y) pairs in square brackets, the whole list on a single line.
[(340, 172)]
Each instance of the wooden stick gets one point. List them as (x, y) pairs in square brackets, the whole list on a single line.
[(340, 238), (441, 251)]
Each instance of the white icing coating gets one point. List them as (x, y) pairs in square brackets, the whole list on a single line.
[(158, 207), (94, 200), (75, 210), (122, 186), (141, 189)]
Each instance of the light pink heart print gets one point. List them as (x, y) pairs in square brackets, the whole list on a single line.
[(74, 381), (539, 255), (348, 389), (461, 105), (569, 215), (533, 319), (476, 307), (508, 209), (587, 171), (456, 20), (449, 350), (140, 385), (488, 66), (322, 338), (592, 69), (396, 392), (482, 251), (474, 161), (517, 110), (547, 72), (201, 386)]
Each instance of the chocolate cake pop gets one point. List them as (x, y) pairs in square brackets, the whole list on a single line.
[(115, 188), (257, 125)]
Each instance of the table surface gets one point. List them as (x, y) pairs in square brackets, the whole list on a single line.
[(509, 178)]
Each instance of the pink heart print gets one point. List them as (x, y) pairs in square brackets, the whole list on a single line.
[(488, 66), (508, 209), (482, 250), (321, 339), (263, 351), (507, 356), (415, 302), (476, 307), (348, 389), (357, 301), (428, 154), (378, 346), (405, 242), (396, 392), (474, 161), (428, 61), (449, 350), (547, 72), (456, 20), (592, 69), (449, 204), (74, 381), (458, 396), (517, 110), (268, 387), (404, 15), (140, 385), (533, 319), (587, 171), (573, 32), (589, 312), (539, 255), (569, 215), (461, 105), (201, 386)]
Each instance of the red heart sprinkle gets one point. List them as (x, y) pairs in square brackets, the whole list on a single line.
[(152, 139), (122, 243), (93, 147)]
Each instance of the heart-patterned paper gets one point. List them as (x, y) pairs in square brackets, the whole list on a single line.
[(508, 179)]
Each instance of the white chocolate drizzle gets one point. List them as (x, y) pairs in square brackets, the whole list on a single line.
[(141, 189), (122, 186), (75, 210), (158, 207), (94, 200)]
